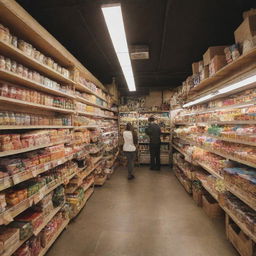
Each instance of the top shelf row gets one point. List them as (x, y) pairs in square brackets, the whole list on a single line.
[(24, 40)]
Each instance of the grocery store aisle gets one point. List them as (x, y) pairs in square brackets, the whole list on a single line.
[(149, 216)]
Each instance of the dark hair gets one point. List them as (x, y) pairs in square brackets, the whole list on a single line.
[(151, 119), (129, 127)]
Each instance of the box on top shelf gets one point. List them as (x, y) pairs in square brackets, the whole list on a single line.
[(211, 52), (204, 73), (217, 62), (251, 12), (246, 30), (195, 67)]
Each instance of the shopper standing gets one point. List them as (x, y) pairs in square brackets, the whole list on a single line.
[(129, 148), (154, 132)]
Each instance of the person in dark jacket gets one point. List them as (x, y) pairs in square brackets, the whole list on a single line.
[(154, 133)]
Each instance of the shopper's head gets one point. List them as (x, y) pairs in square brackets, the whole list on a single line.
[(151, 119), (129, 127)]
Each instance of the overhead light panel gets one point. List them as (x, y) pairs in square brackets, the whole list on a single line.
[(114, 20), (245, 82)]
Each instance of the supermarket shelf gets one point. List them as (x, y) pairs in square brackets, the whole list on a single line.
[(181, 182), (182, 169), (34, 105), (83, 88), (226, 71), (95, 115), (8, 215), (245, 199), (187, 157), (100, 181), (89, 185), (87, 195), (240, 224), (26, 127), (32, 63), (215, 196), (47, 219), (209, 169), (107, 133), (234, 106), (99, 149), (29, 174), (96, 160), (83, 100), (218, 122), (231, 140), (77, 128), (214, 151), (23, 150), (62, 227), (12, 77)]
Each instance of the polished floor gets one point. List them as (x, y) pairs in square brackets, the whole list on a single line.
[(149, 216)]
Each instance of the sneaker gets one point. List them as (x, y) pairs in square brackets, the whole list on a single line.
[(131, 177)]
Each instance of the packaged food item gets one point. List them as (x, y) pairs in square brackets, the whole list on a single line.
[(4, 33), (8, 237), (34, 218), (2, 62)]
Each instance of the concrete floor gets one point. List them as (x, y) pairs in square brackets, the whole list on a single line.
[(149, 216)]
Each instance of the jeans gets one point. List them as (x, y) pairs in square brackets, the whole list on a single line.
[(130, 158), (154, 155)]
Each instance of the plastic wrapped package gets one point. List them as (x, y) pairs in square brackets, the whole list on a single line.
[(35, 245), (25, 229), (24, 250), (34, 218)]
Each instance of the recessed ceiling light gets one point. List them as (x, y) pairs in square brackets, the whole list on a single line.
[(114, 20)]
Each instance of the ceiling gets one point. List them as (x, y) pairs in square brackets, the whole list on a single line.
[(177, 32)]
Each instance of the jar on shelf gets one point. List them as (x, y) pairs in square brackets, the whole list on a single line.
[(55, 66), (15, 41), (29, 49), (2, 62), (13, 66), (49, 62), (4, 33), (19, 70), (25, 72), (30, 74), (22, 45), (59, 68), (37, 55), (41, 58), (8, 64)]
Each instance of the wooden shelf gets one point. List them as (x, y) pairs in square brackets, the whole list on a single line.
[(97, 159), (23, 150), (47, 220), (215, 196), (34, 105), (231, 140), (240, 224), (7, 216), (187, 157), (19, 56), (218, 122), (100, 181), (239, 105), (56, 235), (26, 127), (245, 199), (99, 149), (214, 151), (83, 88), (83, 100), (209, 169), (14, 78), (87, 195), (226, 71), (77, 128), (107, 133)]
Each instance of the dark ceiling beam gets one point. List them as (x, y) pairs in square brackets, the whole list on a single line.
[(85, 25), (167, 8)]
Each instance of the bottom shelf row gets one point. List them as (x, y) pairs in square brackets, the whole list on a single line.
[(240, 224)]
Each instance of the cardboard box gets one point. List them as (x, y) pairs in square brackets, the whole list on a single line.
[(211, 52), (8, 237), (251, 12), (211, 206), (197, 195), (201, 65), (195, 67), (205, 73), (218, 62), (246, 30), (243, 244)]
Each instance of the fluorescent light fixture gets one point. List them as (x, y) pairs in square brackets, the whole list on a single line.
[(229, 88), (114, 20)]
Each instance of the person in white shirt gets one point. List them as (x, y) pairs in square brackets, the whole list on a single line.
[(129, 148)]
